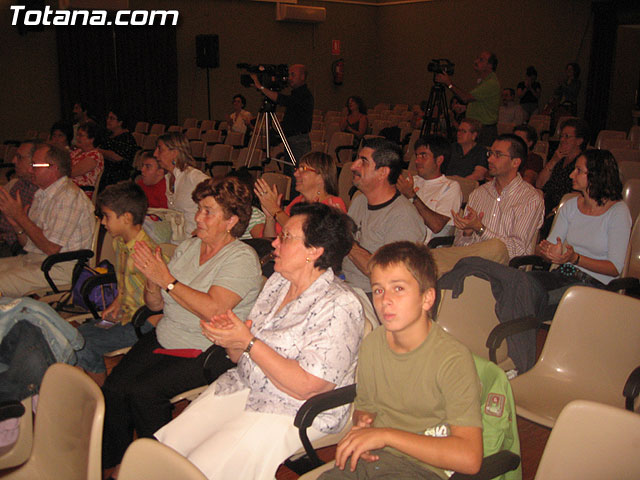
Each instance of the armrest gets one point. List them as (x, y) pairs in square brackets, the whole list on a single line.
[(308, 412), (534, 260), (141, 316), (80, 255), (11, 409), (91, 283), (631, 388), (441, 241), (492, 466), (506, 329), (630, 285)]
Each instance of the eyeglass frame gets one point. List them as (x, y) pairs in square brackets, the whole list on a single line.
[(491, 153)]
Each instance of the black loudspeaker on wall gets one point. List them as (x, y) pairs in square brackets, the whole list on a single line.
[(207, 51)]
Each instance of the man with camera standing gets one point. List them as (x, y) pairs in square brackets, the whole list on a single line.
[(483, 102), (298, 117)]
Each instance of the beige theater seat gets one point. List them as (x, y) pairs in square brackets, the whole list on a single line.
[(148, 459), (592, 441), (590, 351)]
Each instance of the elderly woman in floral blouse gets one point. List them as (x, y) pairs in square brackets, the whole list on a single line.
[(301, 339)]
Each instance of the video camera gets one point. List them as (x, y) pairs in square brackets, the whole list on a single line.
[(441, 65), (273, 77)]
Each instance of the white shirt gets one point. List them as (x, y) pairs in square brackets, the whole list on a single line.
[(441, 195)]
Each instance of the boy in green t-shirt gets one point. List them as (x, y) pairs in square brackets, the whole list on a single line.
[(417, 409)]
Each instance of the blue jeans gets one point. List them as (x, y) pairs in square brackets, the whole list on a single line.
[(99, 341), (27, 355)]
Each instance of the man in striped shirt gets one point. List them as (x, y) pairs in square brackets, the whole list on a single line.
[(507, 208)]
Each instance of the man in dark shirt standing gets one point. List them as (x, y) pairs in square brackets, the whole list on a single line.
[(298, 117)]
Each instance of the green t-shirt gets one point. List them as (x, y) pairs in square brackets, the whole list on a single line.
[(423, 391), (487, 101)]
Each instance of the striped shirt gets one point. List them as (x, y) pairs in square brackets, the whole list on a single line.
[(130, 279), (513, 216)]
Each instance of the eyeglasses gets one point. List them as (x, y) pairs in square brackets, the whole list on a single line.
[(306, 168), (284, 236), (422, 154), (565, 136), (40, 165), (493, 153)]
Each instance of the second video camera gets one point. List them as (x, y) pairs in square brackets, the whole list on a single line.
[(273, 77)]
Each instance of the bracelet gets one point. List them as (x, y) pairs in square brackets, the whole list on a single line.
[(21, 232), (577, 260), (250, 345)]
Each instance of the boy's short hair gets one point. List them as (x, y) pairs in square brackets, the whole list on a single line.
[(416, 257), (124, 197)]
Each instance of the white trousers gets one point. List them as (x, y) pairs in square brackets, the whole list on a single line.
[(226, 442), (21, 274)]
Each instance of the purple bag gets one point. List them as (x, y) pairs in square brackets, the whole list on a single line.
[(101, 296)]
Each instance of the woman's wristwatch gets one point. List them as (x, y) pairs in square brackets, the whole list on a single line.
[(250, 345)]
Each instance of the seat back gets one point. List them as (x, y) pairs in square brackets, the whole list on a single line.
[(192, 133), (632, 267), (158, 128), (634, 136), (139, 138), (150, 142), (149, 459), (499, 426), (592, 345), (592, 441), (282, 182), (68, 427), (234, 138), (466, 184), (471, 317), (615, 143), (631, 196), (142, 127), (189, 123), (345, 182), (608, 134)]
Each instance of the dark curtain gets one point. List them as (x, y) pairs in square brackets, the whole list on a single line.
[(605, 27), (133, 69)]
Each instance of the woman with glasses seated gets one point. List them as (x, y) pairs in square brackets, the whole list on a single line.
[(316, 181), (555, 178), (590, 235), (300, 339)]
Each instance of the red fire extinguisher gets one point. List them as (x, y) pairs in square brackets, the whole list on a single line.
[(337, 68)]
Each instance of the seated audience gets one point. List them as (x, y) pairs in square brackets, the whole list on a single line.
[(61, 135), (300, 339), (122, 207), (174, 155), (239, 120), (468, 158), (87, 163), (529, 91), (433, 195), (316, 181), (590, 235), (60, 219), (417, 408), (510, 111), (355, 121), (22, 187), (208, 275), (507, 208), (555, 178), (118, 150), (152, 180), (381, 213), (81, 115), (530, 168)]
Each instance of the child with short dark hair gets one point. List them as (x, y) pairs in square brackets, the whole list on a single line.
[(123, 207), (417, 407)]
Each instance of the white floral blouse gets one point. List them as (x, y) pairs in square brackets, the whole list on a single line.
[(321, 330)]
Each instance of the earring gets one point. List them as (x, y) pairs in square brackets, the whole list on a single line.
[(308, 260)]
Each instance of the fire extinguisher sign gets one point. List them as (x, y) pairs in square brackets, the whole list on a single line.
[(335, 47)]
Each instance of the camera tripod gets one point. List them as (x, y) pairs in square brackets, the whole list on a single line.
[(438, 100), (267, 117)]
